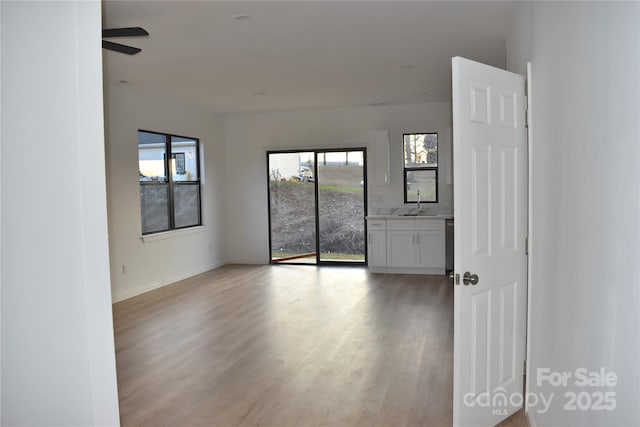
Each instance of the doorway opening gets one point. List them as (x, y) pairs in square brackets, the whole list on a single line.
[(317, 206)]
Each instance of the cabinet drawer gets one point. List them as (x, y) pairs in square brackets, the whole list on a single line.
[(377, 224), (430, 224), (401, 224)]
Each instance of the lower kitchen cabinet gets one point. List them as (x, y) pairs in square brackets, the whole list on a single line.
[(415, 245), (431, 249), (377, 243), (377, 248), (401, 248)]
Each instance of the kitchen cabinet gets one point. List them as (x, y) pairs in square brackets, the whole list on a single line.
[(377, 243), (379, 158), (416, 243), (377, 248), (401, 248), (432, 243), (413, 245), (430, 249)]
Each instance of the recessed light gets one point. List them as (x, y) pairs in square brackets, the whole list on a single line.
[(258, 93), (375, 104), (242, 17), (406, 66), (124, 82)]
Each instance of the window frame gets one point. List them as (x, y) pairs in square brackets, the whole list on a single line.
[(406, 169), (171, 183)]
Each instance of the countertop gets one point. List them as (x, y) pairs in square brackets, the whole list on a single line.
[(421, 217)]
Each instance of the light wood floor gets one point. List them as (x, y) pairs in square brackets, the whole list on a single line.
[(288, 345)]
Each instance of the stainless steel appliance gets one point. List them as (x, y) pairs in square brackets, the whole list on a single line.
[(449, 245)]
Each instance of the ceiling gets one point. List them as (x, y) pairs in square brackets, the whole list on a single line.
[(242, 56)]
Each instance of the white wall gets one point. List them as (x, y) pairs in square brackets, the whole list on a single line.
[(1, 276), (151, 264), (585, 199), (249, 136), (520, 38), (58, 361)]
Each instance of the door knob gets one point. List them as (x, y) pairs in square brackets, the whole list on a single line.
[(469, 278)]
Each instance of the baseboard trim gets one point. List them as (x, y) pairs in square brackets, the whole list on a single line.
[(403, 270), (122, 296)]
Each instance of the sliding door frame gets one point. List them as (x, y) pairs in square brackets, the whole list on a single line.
[(315, 152)]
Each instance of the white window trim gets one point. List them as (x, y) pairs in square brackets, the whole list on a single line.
[(172, 234)]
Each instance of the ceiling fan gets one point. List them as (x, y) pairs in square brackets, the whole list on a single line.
[(123, 32)]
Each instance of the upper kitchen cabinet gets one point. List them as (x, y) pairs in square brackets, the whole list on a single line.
[(379, 157)]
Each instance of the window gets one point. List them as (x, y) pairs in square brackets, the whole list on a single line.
[(420, 167), (171, 200)]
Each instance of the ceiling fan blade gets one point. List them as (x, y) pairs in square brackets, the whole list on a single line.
[(125, 32), (120, 48)]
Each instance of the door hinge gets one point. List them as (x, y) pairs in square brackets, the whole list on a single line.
[(526, 245), (524, 367)]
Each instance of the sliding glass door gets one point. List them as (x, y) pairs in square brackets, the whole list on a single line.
[(341, 206), (292, 207), (317, 206)]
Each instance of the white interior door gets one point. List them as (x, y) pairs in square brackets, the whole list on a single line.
[(490, 177)]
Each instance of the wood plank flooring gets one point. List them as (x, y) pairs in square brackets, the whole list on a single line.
[(287, 345)]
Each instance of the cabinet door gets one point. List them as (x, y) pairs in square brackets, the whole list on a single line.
[(401, 250), (431, 249), (379, 158), (377, 248)]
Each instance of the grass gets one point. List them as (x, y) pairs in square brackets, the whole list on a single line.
[(340, 189)]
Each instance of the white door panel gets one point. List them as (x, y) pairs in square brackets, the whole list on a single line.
[(490, 213)]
